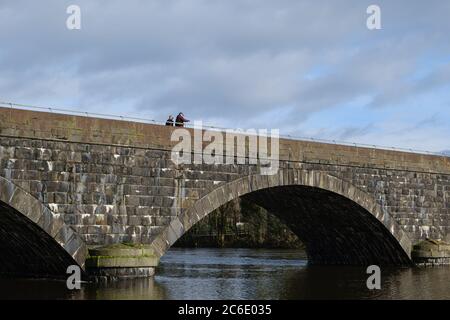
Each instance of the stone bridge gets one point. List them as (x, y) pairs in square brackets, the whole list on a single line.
[(71, 183)]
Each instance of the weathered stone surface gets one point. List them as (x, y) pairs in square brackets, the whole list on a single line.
[(431, 252), (103, 275), (121, 261), (122, 250), (113, 181)]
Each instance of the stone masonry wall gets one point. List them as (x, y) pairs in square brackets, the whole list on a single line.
[(113, 181)]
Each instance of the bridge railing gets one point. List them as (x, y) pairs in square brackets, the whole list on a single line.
[(209, 127)]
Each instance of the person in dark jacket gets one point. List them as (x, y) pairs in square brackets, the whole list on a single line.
[(169, 121), (179, 122)]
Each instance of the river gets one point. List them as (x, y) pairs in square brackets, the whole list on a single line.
[(246, 274)]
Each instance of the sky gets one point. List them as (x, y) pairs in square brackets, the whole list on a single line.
[(308, 68)]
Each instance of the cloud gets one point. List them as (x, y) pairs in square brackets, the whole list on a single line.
[(247, 63)]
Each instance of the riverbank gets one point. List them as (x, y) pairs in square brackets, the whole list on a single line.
[(240, 224)]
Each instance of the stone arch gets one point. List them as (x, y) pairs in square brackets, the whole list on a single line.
[(34, 241), (313, 179)]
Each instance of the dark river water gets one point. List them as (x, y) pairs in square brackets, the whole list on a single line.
[(246, 274)]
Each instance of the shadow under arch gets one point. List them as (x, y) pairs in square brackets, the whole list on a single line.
[(34, 241), (339, 223)]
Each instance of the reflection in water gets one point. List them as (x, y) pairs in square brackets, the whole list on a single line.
[(137, 289), (246, 274), (50, 289)]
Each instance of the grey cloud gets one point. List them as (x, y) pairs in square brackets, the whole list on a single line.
[(233, 62)]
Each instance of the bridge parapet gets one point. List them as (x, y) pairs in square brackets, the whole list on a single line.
[(62, 127)]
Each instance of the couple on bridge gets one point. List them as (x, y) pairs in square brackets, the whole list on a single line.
[(179, 121)]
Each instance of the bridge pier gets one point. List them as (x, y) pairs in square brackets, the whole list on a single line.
[(121, 261), (431, 253)]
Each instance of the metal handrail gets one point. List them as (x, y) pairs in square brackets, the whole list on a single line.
[(152, 121)]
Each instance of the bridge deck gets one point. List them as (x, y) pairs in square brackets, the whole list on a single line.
[(72, 128)]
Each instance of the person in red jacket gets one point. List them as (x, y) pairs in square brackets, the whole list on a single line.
[(180, 120)]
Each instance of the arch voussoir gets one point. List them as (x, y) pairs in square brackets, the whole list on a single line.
[(49, 222), (44, 219), (285, 177)]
